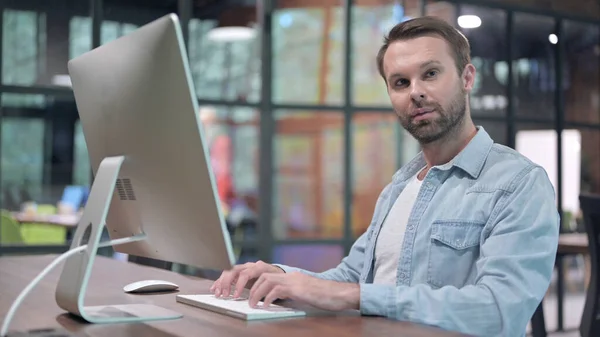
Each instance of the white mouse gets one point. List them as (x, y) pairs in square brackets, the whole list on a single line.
[(146, 286)]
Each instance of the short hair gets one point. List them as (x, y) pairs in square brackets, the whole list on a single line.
[(428, 26)]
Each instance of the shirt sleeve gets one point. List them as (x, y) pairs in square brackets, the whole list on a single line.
[(514, 271)]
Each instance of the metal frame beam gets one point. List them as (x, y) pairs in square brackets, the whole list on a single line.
[(33, 249), (1, 108), (510, 88), (54, 91), (348, 115), (267, 130), (76, 7), (96, 13), (559, 101), (184, 11)]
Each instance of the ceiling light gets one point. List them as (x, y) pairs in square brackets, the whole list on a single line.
[(469, 21), (231, 34), (61, 80), (553, 38)]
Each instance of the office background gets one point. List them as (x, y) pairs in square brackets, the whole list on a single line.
[(297, 115)]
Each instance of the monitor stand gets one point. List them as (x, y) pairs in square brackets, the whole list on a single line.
[(72, 285)]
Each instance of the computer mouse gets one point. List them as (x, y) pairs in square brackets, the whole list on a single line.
[(146, 286)]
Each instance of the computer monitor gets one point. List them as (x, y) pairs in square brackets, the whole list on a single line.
[(139, 114)]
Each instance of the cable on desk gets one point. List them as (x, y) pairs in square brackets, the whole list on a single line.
[(52, 265)]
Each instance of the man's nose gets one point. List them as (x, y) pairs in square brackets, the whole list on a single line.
[(417, 94)]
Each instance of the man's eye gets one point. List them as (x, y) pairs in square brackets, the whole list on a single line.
[(432, 73), (401, 82)]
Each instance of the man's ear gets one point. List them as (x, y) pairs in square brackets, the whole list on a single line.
[(468, 77)]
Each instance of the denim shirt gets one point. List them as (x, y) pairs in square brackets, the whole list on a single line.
[(479, 247)]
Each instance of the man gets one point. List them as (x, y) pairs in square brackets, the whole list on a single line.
[(465, 235)]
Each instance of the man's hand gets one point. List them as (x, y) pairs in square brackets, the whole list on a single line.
[(322, 294), (240, 276)]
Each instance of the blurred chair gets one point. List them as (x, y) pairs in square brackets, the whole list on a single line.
[(590, 207), (10, 232), (75, 195), (40, 233)]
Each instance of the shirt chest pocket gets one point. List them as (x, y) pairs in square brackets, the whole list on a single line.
[(454, 249)]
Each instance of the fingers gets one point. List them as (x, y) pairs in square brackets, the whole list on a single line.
[(243, 278), (256, 285), (226, 283), (264, 286), (216, 287), (275, 293), (217, 283), (222, 285), (259, 290)]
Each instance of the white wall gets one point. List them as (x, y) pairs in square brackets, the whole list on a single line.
[(540, 146)]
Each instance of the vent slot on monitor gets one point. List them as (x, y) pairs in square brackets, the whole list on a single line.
[(125, 189)]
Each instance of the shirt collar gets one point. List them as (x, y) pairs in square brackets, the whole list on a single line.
[(471, 159)]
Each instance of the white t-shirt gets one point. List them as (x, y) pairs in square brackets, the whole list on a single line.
[(391, 235)]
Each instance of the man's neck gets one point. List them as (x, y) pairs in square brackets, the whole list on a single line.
[(443, 150)]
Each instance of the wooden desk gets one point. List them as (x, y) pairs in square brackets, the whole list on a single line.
[(64, 220), (39, 310)]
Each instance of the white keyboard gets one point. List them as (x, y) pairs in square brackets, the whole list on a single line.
[(238, 308)]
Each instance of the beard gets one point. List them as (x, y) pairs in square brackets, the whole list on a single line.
[(439, 127)]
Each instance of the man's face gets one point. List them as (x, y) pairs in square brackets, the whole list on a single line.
[(426, 92)]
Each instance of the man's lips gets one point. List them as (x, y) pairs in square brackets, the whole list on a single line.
[(422, 114), (421, 111)]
